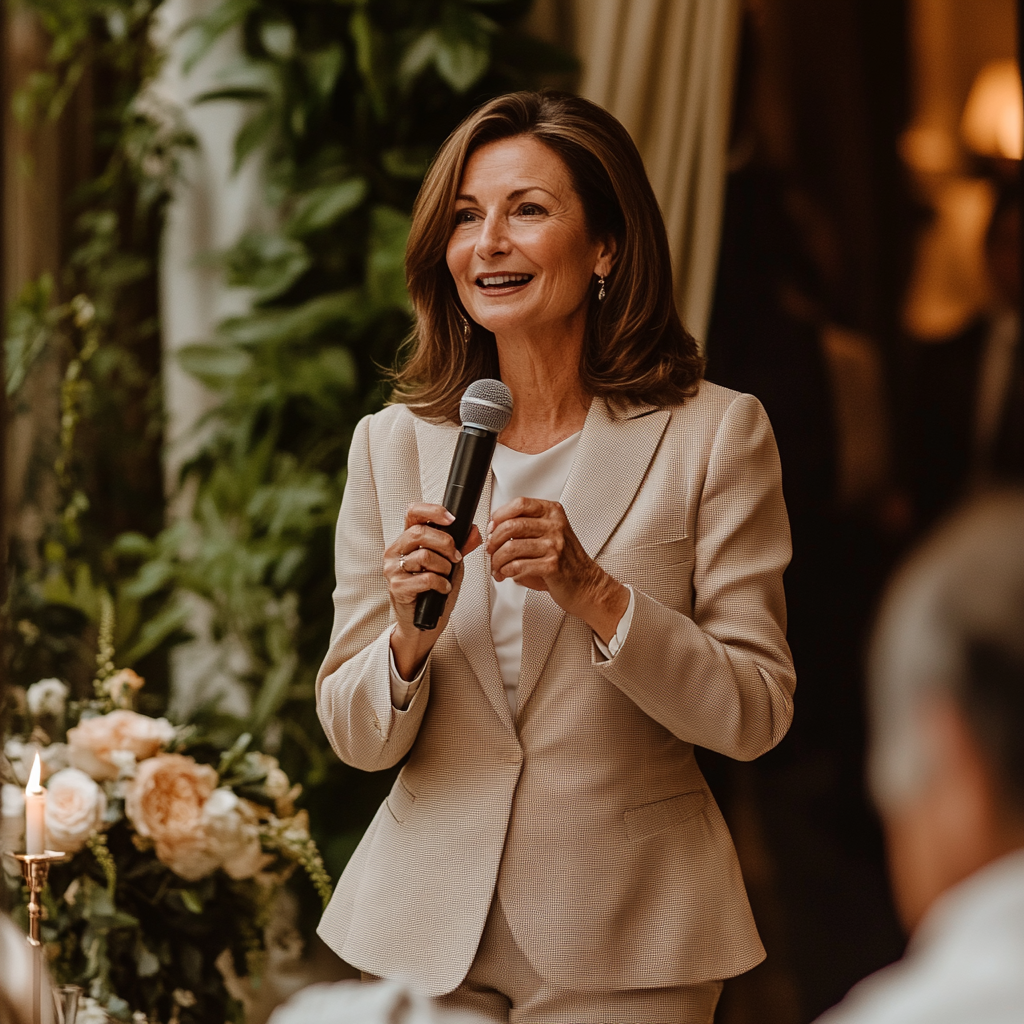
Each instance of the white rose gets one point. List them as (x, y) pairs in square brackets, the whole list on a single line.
[(75, 806), (233, 832), (12, 817), (20, 755), (47, 697), (12, 801), (53, 758), (90, 1011)]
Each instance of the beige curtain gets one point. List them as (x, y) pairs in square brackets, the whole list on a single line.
[(665, 69)]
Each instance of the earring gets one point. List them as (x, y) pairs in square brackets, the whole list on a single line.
[(600, 290), (465, 327)]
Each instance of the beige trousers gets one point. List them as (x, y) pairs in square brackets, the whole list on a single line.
[(502, 985)]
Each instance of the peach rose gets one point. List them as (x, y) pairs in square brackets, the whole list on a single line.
[(123, 685), (233, 831), (75, 806), (165, 803), (93, 740)]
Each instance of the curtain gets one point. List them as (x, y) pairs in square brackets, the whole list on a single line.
[(664, 68)]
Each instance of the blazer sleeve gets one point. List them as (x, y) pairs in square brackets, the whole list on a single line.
[(353, 686), (724, 678)]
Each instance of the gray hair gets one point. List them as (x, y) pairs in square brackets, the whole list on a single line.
[(951, 626)]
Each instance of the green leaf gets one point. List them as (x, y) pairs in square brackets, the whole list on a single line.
[(30, 324), (202, 33), (255, 134), (323, 68), (215, 365), (385, 264), (153, 576), (367, 46), (133, 545), (321, 207), (278, 39), (419, 54), (273, 692), (233, 94), (267, 262), (147, 964), (407, 163), (297, 324), (464, 49), (190, 898), (170, 619), (461, 62)]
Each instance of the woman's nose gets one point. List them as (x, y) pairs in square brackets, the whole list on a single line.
[(493, 238)]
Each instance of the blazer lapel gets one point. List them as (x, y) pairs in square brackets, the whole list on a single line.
[(471, 617), (611, 461)]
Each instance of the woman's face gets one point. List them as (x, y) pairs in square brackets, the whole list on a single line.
[(520, 252)]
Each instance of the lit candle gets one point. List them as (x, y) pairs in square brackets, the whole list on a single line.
[(35, 812)]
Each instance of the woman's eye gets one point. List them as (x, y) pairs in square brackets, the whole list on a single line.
[(531, 210), (463, 216)]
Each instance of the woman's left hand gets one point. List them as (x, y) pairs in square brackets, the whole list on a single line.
[(530, 541)]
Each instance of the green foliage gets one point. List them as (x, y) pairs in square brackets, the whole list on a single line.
[(95, 319), (346, 102)]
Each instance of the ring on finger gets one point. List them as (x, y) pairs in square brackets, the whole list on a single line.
[(401, 563)]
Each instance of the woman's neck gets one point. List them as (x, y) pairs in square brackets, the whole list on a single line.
[(549, 403)]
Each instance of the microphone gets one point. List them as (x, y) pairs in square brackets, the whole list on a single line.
[(485, 410)]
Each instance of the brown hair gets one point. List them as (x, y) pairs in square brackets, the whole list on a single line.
[(636, 349)]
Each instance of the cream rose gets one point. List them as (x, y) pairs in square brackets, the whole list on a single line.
[(233, 831), (93, 740), (12, 817), (75, 806), (165, 803), (47, 697)]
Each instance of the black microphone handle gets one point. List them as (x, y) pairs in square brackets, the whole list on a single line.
[(466, 478)]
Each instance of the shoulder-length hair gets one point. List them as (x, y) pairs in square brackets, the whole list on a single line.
[(636, 349)]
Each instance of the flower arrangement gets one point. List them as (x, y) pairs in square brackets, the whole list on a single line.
[(178, 851)]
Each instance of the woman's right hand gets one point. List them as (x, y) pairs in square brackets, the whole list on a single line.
[(418, 560)]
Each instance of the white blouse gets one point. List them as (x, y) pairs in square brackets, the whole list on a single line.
[(518, 474)]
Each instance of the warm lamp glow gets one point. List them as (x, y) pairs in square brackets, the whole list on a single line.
[(33, 777), (993, 121)]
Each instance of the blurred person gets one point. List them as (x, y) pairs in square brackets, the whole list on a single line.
[(15, 975), (966, 412), (946, 768), (550, 850), (353, 1002)]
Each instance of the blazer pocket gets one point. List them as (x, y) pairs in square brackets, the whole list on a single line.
[(663, 815), (400, 801), (661, 569)]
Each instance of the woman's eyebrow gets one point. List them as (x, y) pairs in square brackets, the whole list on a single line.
[(515, 194)]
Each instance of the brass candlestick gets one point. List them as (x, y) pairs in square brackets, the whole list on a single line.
[(35, 869)]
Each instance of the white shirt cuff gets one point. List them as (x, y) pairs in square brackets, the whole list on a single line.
[(610, 649), (403, 690)]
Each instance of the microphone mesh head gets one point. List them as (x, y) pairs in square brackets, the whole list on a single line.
[(486, 404)]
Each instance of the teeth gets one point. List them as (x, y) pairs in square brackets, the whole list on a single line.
[(498, 279)]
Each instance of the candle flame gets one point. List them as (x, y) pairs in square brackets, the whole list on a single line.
[(33, 779)]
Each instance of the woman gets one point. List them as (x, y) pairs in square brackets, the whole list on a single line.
[(550, 851)]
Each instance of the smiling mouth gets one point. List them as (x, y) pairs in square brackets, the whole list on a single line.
[(502, 281)]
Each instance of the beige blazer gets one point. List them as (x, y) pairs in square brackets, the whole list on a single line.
[(587, 813)]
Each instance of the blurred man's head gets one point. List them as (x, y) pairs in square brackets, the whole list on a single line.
[(947, 704)]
